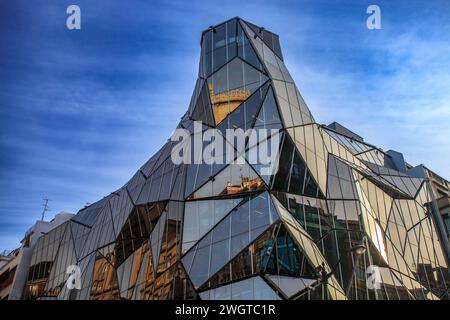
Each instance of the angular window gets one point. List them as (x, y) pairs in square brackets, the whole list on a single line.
[(104, 281), (281, 179), (250, 289), (293, 176), (245, 50), (245, 115), (232, 85), (298, 172), (200, 105), (156, 238), (234, 179), (231, 236), (218, 47), (270, 39), (268, 117), (201, 216), (290, 285)]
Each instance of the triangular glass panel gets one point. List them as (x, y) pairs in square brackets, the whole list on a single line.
[(288, 258), (244, 116), (124, 273), (303, 240), (90, 213), (179, 185), (269, 38), (141, 274), (231, 85), (156, 238), (292, 106), (79, 233), (361, 173), (159, 186), (105, 285), (197, 91), (290, 285), (310, 213), (341, 182), (201, 216), (109, 253), (205, 166), (293, 175), (235, 179), (199, 174), (242, 226), (245, 50), (171, 238), (271, 61), (137, 229), (102, 233), (254, 288), (268, 117), (252, 260), (263, 152), (86, 265), (136, 190), (65, 256), (274, 252), (202, 109), (121, 206), (219, 45)]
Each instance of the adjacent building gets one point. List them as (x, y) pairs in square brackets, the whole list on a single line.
[(441, 193), (340, 218), (8, 267), (15, 265)]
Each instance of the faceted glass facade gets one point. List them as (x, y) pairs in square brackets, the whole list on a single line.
[(314, 230)]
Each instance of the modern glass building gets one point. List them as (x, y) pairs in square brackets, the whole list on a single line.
[(338, 220)]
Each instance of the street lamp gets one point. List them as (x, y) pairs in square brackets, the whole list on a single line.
[(359, 249)]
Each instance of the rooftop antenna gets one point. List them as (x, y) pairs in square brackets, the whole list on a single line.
[(46, 207)]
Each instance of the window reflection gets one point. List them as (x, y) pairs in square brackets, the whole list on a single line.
[(232, 85), (104, 280)]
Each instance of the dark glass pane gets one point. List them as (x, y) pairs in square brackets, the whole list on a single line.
[(200, 266), (207, 41), (290, 260), (245, 50), (208, 63), (232, 40), (223, 276), (238, 243), (219, 255), (240, 220), (297, 175), (222, 230), (219, 57), (231, 31), (259, 211), (231, 85), (312, 222), (219, 36), (241, 266), (281, 182), (268, 116), (310, 186), (104, 281), (244, 116)]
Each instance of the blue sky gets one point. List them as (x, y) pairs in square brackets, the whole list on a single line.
[(81, 111)]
